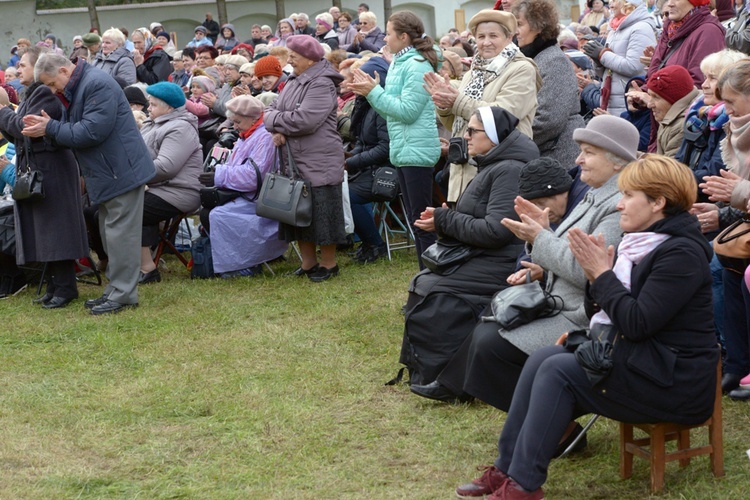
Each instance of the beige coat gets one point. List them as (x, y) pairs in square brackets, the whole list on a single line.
[(672, 127), (513, 91)]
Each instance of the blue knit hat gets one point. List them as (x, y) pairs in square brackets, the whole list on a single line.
[(168, 92)]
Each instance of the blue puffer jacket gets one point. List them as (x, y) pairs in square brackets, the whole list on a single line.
[(100, 129), (409, 111)]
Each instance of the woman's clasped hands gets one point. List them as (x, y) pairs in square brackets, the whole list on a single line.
[(362, 83), (591, 252), (440, 89), (533, 221), (426, 221)]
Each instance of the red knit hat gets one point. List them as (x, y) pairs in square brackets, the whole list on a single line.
[(671, 83), (698, 3), (267, 65)]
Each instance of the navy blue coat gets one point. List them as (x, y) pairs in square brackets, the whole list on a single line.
[(664, 363), (99, 127)]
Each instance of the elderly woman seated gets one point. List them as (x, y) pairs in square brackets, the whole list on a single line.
[(171, 134), (671, 92), (241, 240), (369, 153), (663, 365), (488, 364), (444, 304)]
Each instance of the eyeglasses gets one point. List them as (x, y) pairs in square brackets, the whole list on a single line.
[(471, 131)]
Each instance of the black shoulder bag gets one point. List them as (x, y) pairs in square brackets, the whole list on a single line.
[(28, 185)]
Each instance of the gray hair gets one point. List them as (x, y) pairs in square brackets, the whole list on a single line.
[(115, 35), (303, 16), (616, 160), (50, 63)]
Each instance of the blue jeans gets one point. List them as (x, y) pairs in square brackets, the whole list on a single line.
[(364, 222), (736, 323), (717, 287)]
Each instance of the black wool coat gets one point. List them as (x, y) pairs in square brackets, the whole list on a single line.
[(51, 229)]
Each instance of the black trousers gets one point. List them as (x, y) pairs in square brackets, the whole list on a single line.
[(155, 210), (91, 216), (553, 390), (61, 279), (486, 366)]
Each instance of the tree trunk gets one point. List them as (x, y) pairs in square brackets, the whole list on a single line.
[(221, 11), (93, 16), (337, 3), (280, 10), (387, 10)]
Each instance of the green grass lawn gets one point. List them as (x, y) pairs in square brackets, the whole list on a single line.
[(270, 387)]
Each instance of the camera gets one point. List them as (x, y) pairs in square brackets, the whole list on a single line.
[(228, 138), (458, 151)]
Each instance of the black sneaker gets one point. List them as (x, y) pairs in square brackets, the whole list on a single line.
[(372, 254)]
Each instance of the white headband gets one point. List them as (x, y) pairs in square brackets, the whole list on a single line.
[(488, 120)]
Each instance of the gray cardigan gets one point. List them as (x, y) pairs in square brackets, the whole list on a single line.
[(557, 113), (596, 214)]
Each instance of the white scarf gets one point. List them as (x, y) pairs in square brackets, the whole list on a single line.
[(633, 248)]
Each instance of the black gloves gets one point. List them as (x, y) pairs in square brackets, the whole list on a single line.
[(207, 178), (593, 49)]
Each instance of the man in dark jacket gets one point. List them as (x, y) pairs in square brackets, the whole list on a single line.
[(113, 158), (211, 26)]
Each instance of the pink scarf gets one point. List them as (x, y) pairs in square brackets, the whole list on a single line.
[(633, 248)]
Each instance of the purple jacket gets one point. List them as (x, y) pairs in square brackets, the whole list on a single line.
[(240, 175), (702, 34), (305, 112)]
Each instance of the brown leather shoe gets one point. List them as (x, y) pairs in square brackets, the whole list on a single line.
[(492, 479)]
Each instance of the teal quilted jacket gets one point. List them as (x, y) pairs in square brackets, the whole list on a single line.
[(409, 112)]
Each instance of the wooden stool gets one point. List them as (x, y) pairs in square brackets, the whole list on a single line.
[(652, 448), (166, 236)]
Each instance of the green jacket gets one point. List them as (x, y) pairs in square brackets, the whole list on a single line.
[(409, 112)]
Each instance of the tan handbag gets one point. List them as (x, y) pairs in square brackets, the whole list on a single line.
[(732, 246)]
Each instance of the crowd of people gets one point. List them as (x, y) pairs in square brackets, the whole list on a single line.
[(597, 161)]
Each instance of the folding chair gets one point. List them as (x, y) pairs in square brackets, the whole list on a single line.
[(391, 225)]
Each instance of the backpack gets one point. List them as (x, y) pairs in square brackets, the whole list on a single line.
[(203, 262)]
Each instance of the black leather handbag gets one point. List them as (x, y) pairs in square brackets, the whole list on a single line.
[(520, 304), (286, 198), (29, 186), (445, 256)]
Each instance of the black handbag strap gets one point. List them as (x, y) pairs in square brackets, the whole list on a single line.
[(671, 51), (725, 235), (258, 177), (291, 164), (29, 155)]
